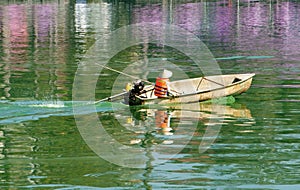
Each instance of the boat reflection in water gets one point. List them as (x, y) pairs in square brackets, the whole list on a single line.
[(176, 124)]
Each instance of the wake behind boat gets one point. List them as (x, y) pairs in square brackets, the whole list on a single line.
[(187, 90)]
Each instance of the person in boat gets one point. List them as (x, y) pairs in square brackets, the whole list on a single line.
[(133, 91), (162, 88)]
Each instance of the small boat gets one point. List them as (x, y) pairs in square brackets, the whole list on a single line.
[(195, 89)]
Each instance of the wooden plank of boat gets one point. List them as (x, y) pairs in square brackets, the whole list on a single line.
[(200, 89)]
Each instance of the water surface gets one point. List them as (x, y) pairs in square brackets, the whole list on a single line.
[(257, 144)]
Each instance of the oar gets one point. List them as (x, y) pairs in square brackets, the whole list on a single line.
[(109, 98)]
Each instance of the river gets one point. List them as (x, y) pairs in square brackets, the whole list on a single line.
[(52, 139)]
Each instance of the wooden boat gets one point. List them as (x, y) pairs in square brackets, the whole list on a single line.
[(197, 89)]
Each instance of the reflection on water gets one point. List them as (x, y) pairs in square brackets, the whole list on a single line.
[(34, 51), (145, 127), (257, 144), (165, 123)]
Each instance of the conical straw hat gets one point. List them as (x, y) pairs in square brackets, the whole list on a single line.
[(166, 74)]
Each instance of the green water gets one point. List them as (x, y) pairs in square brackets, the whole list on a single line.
[(253, 139)]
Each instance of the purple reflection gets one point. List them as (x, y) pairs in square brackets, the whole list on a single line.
[(223, 22), (249, 27), (45, 22), (186, 15), (253, 19), (271, 27), (281, 19), (149, 13), (189, 16)]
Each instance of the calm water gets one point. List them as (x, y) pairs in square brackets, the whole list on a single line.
[(257, 141)]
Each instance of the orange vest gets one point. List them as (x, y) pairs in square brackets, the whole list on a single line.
[(161, 88)]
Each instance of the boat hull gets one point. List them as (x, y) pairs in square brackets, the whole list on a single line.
[(215, 90)]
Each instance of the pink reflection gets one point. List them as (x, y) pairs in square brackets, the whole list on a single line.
[(15, 36), (34, 36), (18, 29)]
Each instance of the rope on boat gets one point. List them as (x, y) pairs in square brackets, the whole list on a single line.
[(125, 74)]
